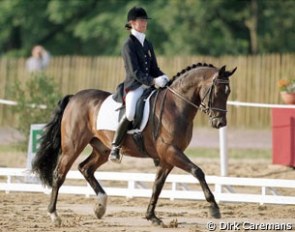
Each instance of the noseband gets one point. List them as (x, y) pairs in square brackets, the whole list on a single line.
[(209, 92), (203, 107)]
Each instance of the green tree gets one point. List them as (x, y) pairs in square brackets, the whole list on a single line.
[(276, 26), (178, 27)]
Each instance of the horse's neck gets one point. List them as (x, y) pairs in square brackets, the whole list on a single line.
[(187, 89)]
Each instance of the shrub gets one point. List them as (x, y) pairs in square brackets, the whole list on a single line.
[(36, 101)]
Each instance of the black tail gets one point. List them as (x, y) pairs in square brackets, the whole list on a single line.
[(46, 157)]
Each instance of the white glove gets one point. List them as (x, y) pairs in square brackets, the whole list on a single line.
[(161, 81)]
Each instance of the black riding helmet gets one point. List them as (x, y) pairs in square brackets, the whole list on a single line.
[(135, 13)]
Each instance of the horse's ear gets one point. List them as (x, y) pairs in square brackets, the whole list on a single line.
[(224, 73), (232, 72), (222, 70)]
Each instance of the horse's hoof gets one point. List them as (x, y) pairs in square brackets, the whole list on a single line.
[(100, 205), (215, 212), (56, 220), (99, 210), (157, 222)]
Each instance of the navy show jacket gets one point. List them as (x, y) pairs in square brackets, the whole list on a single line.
[(140, 64)]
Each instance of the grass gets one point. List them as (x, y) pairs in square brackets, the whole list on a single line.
[(232, 153), (11, 148), (192, 152)]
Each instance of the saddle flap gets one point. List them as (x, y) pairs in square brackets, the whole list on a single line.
[(108, 114)]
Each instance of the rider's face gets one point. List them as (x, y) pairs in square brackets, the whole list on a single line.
[(139, 25)]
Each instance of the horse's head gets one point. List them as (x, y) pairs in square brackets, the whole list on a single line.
[(214, 93), (205, 87)]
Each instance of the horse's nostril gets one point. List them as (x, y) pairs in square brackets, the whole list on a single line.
[(221, 124), (218, 122)]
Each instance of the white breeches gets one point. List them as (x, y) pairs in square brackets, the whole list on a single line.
[(131, 100)]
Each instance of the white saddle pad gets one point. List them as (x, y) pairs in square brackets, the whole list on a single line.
[(108, 117)]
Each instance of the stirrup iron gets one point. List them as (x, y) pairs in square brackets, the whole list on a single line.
[(115, 155)]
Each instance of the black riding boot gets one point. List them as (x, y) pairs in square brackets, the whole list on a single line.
[(118, 138)]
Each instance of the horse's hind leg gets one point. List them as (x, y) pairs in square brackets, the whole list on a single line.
[(178, 159), (59, 176), (98, 157), (65, 162)]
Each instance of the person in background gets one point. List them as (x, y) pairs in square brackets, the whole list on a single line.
[(39, 59), (142, 72)]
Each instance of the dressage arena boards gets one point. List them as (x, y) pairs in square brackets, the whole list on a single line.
[(224, 187)]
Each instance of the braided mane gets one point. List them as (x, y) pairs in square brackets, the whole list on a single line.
[(188, 68)]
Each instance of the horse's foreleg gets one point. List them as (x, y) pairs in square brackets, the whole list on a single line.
[(179, 159), (87, 168), (157, 188), (214, 208)]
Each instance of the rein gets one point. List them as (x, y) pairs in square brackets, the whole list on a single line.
[(157, 127), (183, 98), (203, 107)]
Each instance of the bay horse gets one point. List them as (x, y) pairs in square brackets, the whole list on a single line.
[(73, 126)]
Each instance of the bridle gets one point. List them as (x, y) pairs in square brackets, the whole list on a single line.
[(203, 107), (206, 109)]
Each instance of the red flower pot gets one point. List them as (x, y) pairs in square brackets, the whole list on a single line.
[(288, 98)]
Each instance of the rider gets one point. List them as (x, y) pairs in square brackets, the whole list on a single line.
[(142, 72)]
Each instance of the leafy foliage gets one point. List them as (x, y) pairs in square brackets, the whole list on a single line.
[(287, 86), (36, 101), (187, 27)]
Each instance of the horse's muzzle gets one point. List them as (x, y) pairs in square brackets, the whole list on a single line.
[(218, 122)]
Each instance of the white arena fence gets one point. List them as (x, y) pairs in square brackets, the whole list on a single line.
[(253, 190)]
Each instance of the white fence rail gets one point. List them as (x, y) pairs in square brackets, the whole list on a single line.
[(231, 103), (182, 186)]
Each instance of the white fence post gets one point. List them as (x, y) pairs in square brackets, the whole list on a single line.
[(8, 182), (131, 188), (223, 151)]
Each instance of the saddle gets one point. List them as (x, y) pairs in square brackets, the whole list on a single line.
[(111, 112), (139, 109)]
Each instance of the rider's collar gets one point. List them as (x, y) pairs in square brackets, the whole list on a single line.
[(140, 36)]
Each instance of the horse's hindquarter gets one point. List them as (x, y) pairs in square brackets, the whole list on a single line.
[(80, 114)]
